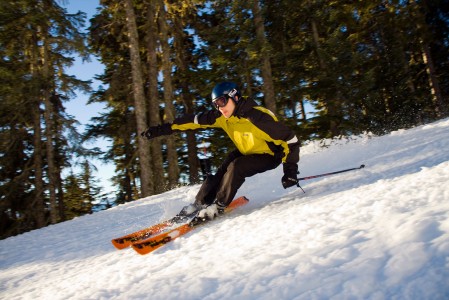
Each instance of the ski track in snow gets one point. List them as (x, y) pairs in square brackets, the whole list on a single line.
[(381, 232)]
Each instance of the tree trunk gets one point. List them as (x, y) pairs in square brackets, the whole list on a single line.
[(316, 42), (331, 110), (172, 157), (61, 205), (146, 175), (49, 127), (268, 85), (187, 99), (38, 164), (153, 95), (435, 91), (128, 173), (302, 109), (38, 207)]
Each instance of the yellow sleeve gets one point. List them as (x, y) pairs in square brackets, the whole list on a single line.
[(200, 121)]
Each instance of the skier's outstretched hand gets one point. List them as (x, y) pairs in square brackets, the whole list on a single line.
[(155, 131)]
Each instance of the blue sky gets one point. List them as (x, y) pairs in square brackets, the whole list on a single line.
[(77, 106), (84, 70)]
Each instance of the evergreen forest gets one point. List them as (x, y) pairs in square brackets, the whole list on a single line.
[(328, 69)]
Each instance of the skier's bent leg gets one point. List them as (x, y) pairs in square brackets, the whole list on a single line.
[(208, 191), (238, 170)]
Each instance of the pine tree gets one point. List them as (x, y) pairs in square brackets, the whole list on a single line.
[(82, 193), (37, 37)]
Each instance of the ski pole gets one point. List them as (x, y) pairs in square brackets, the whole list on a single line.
[(331, 173), (326, 174)]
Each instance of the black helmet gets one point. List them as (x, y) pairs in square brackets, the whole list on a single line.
[(228, 89)]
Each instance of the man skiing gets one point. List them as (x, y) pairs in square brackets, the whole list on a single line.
[(262, 143)]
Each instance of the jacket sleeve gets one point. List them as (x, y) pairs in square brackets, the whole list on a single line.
[(192, 122), (279, 133)]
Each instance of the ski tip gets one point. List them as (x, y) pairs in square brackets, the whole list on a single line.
[(238, 202), (242, 198), (120, 243)]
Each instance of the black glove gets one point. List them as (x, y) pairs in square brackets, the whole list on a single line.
[(155, 131), (290, 177)]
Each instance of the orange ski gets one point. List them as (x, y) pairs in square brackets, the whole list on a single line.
[(155, 242), (127, 240)]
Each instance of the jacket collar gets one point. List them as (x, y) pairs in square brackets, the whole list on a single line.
[(244, 105)]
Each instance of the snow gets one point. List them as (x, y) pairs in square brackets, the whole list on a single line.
[(381, 232)]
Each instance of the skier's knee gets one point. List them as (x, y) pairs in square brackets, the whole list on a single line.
[(236, 170)]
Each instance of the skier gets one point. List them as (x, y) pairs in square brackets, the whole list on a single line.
[(262, 143)]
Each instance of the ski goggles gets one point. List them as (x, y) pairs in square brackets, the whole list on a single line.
[(220, 101), (223, 99)]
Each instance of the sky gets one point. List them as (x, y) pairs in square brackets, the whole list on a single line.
[(77, 106), (378, 233), (84, 70)]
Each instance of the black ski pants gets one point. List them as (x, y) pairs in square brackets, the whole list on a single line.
[(223, 186)]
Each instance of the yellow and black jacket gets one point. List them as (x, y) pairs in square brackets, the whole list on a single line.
[(252, 128)]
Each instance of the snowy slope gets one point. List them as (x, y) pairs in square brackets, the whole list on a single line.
[(377, 233)]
